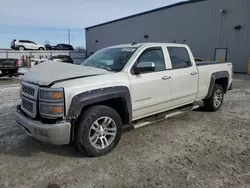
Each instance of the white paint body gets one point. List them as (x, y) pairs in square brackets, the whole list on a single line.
[(29, 45), (150, 94)]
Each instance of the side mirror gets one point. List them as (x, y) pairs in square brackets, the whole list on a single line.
[(143, 67)]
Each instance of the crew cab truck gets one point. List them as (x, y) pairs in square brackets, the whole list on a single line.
[(132, 84)]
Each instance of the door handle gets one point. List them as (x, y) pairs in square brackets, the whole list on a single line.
[(166, 77), (193, 73)]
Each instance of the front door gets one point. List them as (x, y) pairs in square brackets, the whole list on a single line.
[(151, 91), (33, 45), (185, 76)]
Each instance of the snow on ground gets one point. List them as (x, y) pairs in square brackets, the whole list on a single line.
[(23, 70), (198, 149), (9, 95)]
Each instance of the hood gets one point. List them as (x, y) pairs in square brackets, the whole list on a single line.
[(51, 72)]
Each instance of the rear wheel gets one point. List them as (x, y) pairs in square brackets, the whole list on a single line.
[(40, 48), (99, 131), (215, 101), (21, 48)]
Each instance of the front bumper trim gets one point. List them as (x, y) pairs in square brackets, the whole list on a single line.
[(55, 134)]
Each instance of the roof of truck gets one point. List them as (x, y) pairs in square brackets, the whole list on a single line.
[(137, 45)]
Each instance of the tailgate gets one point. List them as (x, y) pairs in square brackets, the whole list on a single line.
[(8, 63)]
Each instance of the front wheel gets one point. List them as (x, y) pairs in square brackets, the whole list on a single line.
[(99, 131), (40, 48), (215, 101)]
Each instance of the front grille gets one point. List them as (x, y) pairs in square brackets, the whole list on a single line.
[(29, 93), (28, 90), (27, 105)]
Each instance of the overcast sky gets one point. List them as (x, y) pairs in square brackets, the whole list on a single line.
[(52, 16)]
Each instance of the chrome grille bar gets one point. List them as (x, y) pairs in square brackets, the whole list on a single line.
[(29, 95)]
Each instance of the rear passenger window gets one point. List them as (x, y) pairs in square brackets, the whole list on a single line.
[(179, 57), (153, 55)]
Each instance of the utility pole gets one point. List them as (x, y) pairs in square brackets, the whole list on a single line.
[(69, 35)]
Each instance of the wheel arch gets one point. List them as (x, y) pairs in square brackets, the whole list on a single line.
[(117, 98), (21, 46), (221, 78)]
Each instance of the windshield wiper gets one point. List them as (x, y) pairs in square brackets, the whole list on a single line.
[(100, 67), (106, 68)]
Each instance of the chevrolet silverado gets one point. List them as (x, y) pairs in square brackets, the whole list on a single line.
[(119, 86)]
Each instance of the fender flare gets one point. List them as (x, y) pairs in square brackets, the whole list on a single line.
[(214, 77), (84, 99)]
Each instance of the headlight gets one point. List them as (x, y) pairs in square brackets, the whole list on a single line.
[(51, 109), (53, 95), (51, 102)]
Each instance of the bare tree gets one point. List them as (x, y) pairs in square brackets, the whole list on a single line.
[(47, 42), (80, 48)]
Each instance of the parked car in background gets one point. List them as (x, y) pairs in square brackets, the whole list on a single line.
[(58, 58), (122, 85), (62, 47), (9, 67), (26, 45), (47, 46)]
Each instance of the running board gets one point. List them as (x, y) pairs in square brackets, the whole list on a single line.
[(163, 116)]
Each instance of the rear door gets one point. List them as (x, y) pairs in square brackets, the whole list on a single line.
[(24, 43), (184, 75)]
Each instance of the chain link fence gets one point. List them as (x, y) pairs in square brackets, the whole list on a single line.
[(26, 58)]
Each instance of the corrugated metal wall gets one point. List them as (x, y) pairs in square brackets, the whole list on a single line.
[(201, 25)]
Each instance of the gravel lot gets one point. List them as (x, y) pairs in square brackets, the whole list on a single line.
[(198, 149)]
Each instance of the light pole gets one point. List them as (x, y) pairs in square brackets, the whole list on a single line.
[(69, 35)]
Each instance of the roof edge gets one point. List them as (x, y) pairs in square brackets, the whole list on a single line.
[(146, 12)]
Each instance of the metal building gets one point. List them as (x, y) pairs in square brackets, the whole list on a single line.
[(214, 29)]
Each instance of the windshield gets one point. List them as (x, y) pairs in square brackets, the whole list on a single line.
[(111, 59)]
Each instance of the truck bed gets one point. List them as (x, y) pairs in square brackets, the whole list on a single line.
[(8, 64), (206, 69), (9, 67), (202, 63)]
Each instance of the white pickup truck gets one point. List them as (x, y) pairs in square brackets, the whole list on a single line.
[(132, 84)]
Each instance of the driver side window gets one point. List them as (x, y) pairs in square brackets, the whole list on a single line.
[(153, 55)]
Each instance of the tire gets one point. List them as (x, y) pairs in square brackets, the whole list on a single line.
[(87, 130), (212, 104), (40, 48), (21, 48), (4, 73)]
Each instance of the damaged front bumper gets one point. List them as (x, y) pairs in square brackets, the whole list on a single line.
[(56, 134)]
